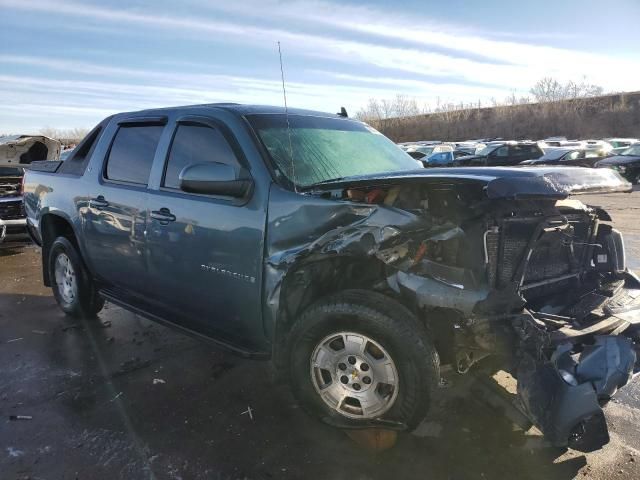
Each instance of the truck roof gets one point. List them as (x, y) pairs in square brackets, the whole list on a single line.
[(240, 109)]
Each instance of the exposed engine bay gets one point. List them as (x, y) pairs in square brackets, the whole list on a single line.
[(539, 282)]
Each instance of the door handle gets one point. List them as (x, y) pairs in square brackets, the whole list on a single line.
[(98, 203), (164, 216)]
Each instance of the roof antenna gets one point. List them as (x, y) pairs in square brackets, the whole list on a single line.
[(286, 113)]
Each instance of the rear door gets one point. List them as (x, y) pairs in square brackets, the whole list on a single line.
[(115, 219), (205, 252)]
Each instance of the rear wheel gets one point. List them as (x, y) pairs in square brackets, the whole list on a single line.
[(72, 285), (358, 357)]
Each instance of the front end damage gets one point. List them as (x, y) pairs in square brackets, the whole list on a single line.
[(498, 262)]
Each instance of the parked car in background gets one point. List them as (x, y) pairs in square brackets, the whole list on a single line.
[(432, 155), (470, 147), (563, 143), (502, 154), (12, 217), (575, 157), (460, 153), (621, 142), (600, 145), (627, 163), (554, 141), (16, 150)]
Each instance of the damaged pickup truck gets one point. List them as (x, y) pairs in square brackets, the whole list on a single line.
[(311, 239)]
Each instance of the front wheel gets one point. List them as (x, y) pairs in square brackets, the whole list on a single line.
[(72, 285), (359, 357)]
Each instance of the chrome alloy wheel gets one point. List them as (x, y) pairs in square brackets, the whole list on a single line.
[(354, 375), (66, 278)]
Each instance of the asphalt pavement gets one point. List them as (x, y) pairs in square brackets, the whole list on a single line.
[(123, 397)]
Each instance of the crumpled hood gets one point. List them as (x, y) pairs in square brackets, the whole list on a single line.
[(502, 182), (618, 160)]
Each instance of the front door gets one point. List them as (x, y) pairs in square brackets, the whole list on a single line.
[(205, 252), (114, 223)]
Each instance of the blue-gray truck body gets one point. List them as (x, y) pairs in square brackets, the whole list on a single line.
[(485, 251)]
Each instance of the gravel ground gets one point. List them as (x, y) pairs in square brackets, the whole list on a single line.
[(122, 397)]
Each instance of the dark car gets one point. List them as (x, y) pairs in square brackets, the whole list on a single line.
[(501, 154), (313, 241), (13, 223), (576, 157), (626, 163)]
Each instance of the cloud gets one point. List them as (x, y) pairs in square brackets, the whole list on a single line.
[(338, 44), (421, 31), (510, 65)]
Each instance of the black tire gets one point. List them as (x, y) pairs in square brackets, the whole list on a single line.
[(388, 323), (86, 303)]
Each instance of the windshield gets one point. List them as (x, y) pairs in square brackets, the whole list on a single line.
[(554, 154), (633, 150), (486, 150), (327, 148)]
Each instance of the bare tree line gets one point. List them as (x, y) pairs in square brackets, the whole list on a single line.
[(573, 109), (66, 136)]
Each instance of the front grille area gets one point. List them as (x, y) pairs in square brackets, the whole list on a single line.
[(12, 210), (555, 254)]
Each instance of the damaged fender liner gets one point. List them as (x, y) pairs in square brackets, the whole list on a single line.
[(563, 396)]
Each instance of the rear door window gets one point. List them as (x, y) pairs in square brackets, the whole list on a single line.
[(502, 151), (196, 144), (131, 155)]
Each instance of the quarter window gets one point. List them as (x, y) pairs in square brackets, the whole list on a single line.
[(132, 153), (196, 144)]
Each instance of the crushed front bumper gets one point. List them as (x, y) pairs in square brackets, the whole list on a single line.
[(563, 392), (566, 404)]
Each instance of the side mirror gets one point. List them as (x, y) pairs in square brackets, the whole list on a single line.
[(213, 179)]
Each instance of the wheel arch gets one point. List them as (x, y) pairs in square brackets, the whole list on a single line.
[(52, 226), (312, 280)]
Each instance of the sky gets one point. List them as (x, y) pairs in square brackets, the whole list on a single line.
[(70, 63)]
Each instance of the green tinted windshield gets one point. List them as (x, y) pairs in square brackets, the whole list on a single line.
[(327, 148)]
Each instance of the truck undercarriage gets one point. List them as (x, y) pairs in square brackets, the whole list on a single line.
[(537, 281)]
